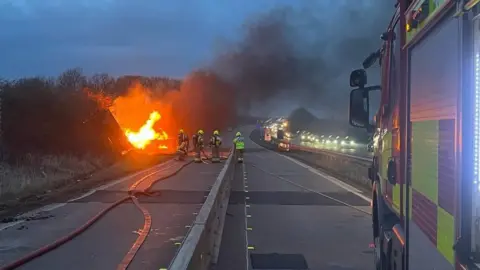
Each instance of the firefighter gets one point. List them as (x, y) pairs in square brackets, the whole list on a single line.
[(187, 141), (182, 148), (239, 144), (198, 144), (215, 142), (194, 140)]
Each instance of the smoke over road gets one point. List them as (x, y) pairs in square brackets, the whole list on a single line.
[(303, 53)]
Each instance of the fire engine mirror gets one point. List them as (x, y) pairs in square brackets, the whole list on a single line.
[(361, 100), (359, 108), (358, 78)]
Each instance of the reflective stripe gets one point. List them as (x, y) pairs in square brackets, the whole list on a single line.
[(433, 182), (239, 142), (445, 234)]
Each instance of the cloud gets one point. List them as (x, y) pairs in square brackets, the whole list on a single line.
[(296, 51), (169, 37), (303, 54)]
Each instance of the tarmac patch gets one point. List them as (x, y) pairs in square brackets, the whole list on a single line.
[(278, 261)]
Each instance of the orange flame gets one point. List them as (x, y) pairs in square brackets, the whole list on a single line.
[(146, 134), (130, 111)]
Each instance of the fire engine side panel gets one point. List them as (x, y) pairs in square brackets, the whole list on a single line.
[(433, 90)]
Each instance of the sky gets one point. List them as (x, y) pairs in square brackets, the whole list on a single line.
[(174, 37), (149, 37)]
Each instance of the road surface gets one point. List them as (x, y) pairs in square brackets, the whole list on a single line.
[(103, 246), (280, 217)]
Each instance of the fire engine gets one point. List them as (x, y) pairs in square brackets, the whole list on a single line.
[(283, 140), (426, 136)]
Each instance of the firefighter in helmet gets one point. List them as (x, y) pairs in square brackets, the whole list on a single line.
[(215, 142), (182, 148), (198, 144), (239, 143)]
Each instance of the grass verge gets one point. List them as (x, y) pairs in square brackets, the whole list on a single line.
[(28, 187)]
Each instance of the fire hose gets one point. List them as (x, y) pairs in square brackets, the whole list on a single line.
[(138, 242)]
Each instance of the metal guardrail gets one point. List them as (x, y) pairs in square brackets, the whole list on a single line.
[(315, 149), (318, 150), (200, 248), (344, 166)]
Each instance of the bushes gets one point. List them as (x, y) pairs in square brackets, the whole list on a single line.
[(55, 133), (53, 116)]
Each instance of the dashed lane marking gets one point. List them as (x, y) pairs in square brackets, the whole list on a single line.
[(247, 245)]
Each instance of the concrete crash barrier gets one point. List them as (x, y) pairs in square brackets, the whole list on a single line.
[(199, 249), (343, 166)]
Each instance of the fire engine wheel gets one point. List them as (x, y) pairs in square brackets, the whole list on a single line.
[(378, 254), (379, 257)]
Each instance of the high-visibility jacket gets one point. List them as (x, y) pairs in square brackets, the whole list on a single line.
[(215, 140), (239, 142)]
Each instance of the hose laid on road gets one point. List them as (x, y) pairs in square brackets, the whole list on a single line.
[(310, 190), (141, 238), (127, 260), (130, 255)]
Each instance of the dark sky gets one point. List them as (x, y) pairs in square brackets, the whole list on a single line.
[(44, 37), (160, 37)]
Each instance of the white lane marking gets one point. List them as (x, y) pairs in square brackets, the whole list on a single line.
[(312, 190), (10, 224), (53, 206), (330, 178), (247, 258)]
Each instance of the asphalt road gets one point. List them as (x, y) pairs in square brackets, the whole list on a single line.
[(280, 217), (103, 245)]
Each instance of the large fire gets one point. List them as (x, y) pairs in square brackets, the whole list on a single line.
[(140, 118), (146, 134), (148, 115)]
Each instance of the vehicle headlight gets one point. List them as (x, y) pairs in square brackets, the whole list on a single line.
[(316, 140), (303, 137), (343, 143), (335, 141), (352, 142), (328, 141)]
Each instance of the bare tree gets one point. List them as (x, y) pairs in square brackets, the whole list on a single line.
[(71, 79), (101, 82)]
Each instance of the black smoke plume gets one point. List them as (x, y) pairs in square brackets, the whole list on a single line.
[(303, 53)]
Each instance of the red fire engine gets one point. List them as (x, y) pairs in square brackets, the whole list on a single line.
[(425, 171)]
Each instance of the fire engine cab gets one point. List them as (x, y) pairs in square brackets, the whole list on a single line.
[(425, 171)]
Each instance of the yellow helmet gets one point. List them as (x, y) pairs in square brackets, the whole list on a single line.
[(216, 132), (200, 132), (238, 134), (181, 131)]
